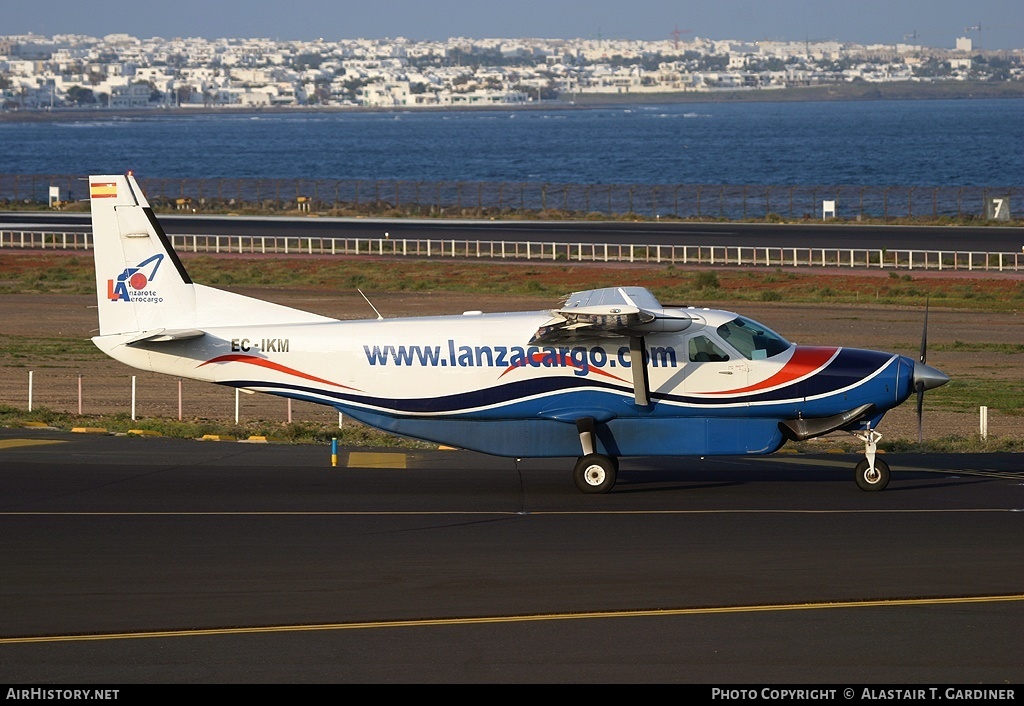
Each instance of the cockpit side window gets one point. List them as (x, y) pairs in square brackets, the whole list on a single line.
[(703, 350), (752, 340)]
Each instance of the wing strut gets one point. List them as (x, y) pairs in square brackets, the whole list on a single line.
[(641, 383)]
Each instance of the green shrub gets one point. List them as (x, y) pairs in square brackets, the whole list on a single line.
[(706, 279)]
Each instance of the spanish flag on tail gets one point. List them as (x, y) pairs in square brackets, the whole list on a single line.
[(103, 190)]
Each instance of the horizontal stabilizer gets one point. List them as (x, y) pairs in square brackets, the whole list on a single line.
[(162, 335)]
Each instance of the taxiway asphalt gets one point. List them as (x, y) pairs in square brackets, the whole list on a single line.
[(165, 561)]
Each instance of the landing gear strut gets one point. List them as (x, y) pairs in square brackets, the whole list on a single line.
[(871, 473), (594, 472)]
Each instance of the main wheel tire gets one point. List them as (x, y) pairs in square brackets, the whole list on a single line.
[(872, 480), (595, 473)]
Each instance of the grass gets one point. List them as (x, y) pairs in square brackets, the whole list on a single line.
[(957, 444), (72, 273), (972, 443), (979, 347), (966, 393), (14, 349)]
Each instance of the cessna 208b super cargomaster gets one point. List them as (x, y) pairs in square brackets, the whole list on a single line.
[(609, 373)]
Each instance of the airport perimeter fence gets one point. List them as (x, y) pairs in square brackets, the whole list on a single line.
[(474, 198), (149, 395), (701, 255)]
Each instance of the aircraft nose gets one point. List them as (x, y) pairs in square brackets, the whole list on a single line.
[(928, 376)]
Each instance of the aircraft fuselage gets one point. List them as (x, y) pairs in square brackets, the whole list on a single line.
[(439, 378)]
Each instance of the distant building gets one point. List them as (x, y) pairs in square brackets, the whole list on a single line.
[(135, 95), (254, 99), (40, 72)]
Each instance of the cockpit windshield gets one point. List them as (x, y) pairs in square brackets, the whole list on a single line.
[(751, 339)]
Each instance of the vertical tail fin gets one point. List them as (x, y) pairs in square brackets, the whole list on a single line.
[(141, 284)]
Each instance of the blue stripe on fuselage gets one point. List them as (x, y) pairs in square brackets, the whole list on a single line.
[(851, 368)]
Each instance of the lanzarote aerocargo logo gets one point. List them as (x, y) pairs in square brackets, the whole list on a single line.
[(135, 284)]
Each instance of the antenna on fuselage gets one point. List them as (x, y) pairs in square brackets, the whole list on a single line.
[(379, 317)]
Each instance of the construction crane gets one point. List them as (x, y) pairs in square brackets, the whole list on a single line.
[(975, 28), (676, 33)]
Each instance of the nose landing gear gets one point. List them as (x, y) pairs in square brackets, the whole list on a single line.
[(871, 473)]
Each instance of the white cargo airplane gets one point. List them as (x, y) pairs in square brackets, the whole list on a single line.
[(609, 373)]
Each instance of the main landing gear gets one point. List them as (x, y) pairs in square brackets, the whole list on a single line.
[(594, 472), (871, 473)]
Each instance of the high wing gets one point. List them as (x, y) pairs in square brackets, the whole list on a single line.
[(614, 312), (610, 312)]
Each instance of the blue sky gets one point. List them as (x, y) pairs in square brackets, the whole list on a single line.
[(937, 23)]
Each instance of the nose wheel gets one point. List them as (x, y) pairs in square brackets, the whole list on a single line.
[(872, 478), (872, 473)]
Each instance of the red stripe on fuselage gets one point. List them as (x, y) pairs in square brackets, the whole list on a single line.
[(264, 363), (806, 360), (568, 362)]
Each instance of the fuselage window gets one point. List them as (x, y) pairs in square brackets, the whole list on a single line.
[(703, 350), (751, 339)]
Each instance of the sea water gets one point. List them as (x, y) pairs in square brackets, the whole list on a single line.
[(872, 143)]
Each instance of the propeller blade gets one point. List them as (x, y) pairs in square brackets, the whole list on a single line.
[(920, 412), (920, 383), (924, 335), (925, 377)]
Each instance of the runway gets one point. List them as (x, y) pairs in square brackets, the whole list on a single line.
[(159, 561)]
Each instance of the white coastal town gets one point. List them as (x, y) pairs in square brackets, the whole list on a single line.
[(119, 71)]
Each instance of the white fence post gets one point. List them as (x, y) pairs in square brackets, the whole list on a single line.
[(984, 422), (30, 390), (133, 398)]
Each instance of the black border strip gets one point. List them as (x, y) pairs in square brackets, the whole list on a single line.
[(158, 229)]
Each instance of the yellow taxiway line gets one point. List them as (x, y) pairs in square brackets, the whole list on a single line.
[(535, 617)]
